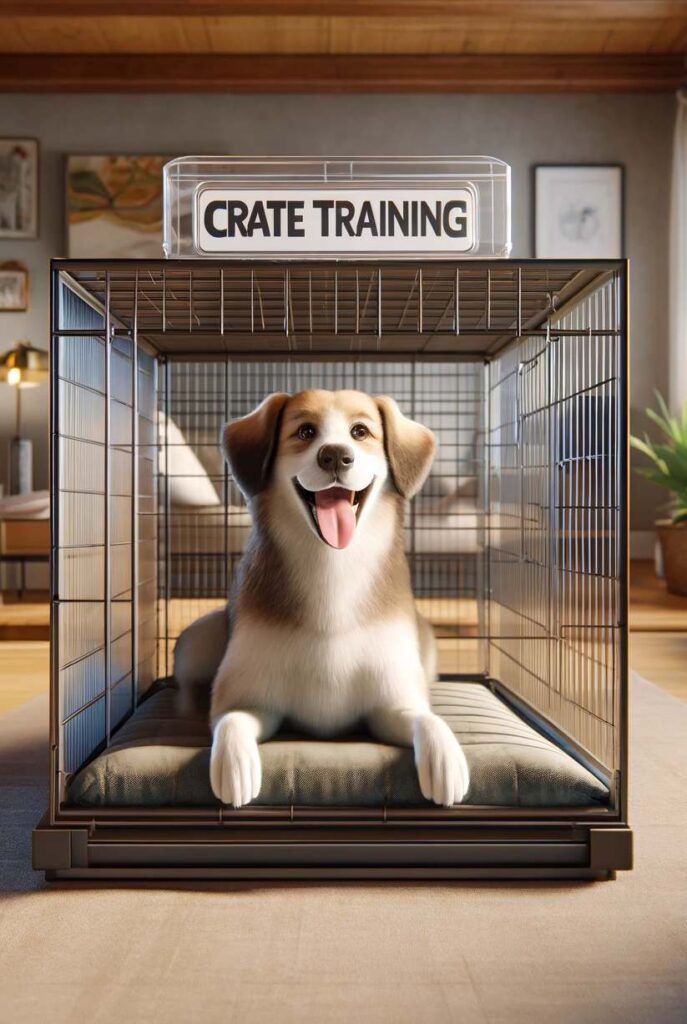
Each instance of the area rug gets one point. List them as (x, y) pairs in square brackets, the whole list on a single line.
[(503, 953)]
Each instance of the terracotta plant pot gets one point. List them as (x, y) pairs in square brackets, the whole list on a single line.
[(673, 541)]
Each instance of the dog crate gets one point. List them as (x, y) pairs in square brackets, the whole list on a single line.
[(517, 544)]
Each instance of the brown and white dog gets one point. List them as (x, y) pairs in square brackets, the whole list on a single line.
[(322, 628)]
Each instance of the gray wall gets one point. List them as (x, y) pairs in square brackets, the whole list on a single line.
[(635, 130)]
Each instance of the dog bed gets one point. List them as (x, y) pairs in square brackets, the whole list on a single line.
[(160, 758)]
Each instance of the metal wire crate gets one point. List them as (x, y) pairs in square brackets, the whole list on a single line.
[(517, 544)]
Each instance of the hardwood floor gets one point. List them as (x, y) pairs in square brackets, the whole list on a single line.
[(26, 619), (658, 640), (652, 608), (23, 671), (662, 659), (658, 631)]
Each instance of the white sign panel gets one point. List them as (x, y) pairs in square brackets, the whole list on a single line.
[(236, 221)]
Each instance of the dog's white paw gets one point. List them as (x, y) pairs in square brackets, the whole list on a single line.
[(235, 768), (442, 770)]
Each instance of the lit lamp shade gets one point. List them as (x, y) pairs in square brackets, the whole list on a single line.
[(24, 366)]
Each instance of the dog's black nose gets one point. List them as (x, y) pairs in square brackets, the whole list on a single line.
[(335, 457)]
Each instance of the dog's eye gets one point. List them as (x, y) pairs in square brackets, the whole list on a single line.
[(306, 431), (359, 431)]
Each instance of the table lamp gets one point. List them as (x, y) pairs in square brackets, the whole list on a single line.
[(22, 367)]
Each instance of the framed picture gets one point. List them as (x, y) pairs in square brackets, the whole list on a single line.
[(18, 188), (14, 288), (578, 211), (114, 206)]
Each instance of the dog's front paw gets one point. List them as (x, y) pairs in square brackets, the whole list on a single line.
[(235, 768), (442, 770)]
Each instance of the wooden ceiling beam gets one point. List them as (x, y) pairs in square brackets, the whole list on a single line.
[(496, 10), (324, 73)]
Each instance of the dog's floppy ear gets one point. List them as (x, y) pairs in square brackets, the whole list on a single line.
[(249, 444), (409, 447)]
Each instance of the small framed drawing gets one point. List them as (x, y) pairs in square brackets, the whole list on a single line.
[(18, 188), (578, 211), (14, 288)]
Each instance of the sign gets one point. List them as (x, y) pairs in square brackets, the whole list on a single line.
[(331, 221)]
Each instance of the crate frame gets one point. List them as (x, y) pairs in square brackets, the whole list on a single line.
[(290, 842)]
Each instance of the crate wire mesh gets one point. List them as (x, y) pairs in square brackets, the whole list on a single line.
[(205, 543), (261, 310), (555, 563), (516, 545)]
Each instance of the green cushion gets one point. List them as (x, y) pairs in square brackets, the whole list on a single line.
[(160, 758)]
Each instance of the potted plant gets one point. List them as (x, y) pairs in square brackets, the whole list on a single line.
[(669, 469)]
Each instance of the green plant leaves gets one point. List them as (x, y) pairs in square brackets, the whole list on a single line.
[(669, 459)]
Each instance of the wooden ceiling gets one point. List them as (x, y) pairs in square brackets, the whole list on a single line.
[(359, 45)]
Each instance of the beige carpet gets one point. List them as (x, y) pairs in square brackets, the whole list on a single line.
[(603, 953)]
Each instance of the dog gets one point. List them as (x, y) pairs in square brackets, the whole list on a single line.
[(321, 628)]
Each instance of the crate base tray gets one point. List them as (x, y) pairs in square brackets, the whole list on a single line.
[(300, 853)]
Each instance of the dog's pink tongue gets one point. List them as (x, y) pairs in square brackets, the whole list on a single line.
[(335, 516)]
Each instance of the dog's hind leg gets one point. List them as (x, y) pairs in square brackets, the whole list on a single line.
[(198, 653)]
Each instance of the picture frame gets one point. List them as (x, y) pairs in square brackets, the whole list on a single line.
[(14, 288), (18, 188), (578, 211), (114, 205)]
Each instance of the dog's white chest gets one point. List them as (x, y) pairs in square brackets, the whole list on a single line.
[(322, 681)]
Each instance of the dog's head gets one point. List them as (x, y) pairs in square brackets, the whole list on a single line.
[(329, 455)]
